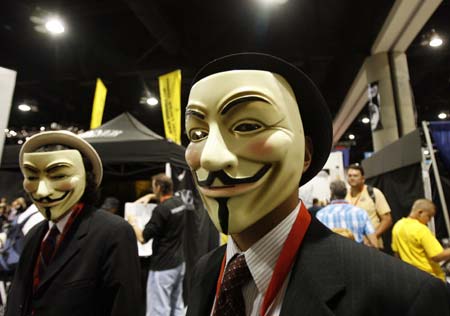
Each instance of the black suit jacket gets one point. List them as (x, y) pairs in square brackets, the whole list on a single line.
[(94, 272), (333, 275)]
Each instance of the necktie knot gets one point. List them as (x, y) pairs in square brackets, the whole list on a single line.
[(230, 300)]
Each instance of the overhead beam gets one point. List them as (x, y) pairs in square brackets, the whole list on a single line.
[(404, 22), (151, 16)]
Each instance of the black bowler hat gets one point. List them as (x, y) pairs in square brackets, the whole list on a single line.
[(316, 117)]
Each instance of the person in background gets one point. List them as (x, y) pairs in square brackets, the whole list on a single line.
[(339, 214), (18, 206), (111, 204), (414, 242), (315, 207), (167, 267), (80, 260), (370, 199)]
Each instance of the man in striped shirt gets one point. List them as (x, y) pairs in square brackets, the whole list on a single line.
[(341, 214)]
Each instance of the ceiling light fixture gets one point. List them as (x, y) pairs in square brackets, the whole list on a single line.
[(42, 128), (24, 107), (152, 101), (351, 136), (434, 39), (55, 26), (442, 115), (365, 120), (271, 2)]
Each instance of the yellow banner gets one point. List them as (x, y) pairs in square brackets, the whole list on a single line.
[(170, 94), (99, 104)]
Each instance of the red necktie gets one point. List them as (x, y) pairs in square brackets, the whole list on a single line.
[(49, 245), (231, 301)]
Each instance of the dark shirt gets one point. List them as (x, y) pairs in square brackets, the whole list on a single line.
[(314, 209), (166, 228)]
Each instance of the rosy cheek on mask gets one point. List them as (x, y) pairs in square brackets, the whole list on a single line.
[(260, 148), (192, 156), (66, 185), (29, 187)]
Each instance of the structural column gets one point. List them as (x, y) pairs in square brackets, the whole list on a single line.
[(396, 114)]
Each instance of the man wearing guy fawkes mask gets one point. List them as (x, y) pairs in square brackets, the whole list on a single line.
[(81, 261), (258, 127)]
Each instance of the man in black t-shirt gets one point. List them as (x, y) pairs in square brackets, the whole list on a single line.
[(167, 268)]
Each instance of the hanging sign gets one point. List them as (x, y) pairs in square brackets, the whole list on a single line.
[(99, 104), (7, 84), (170, 94), (374, 107)]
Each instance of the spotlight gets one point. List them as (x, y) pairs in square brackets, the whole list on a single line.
[(55, 26), (365, 120), (152, 101), (442, 115), (351, 136), (436, 41), (272, 2), (42, 128), (24, 107), (426, 152), (20, 142)]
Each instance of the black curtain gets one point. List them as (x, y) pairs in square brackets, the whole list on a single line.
[(401, 188), (200, 234)]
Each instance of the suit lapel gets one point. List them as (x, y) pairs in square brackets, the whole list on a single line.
[(316, 280), (69, 247), (204, 288)]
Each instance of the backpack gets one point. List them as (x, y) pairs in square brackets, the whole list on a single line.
[(11, 250), (371, 193)]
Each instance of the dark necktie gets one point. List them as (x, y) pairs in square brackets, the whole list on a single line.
[(49, 245), (231, 301)]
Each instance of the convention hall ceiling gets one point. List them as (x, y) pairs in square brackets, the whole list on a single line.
[(129, 43)]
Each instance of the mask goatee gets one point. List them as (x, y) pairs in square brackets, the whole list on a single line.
[(48, 214), (223, 214)]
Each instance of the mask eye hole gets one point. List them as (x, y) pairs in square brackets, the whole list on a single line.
[(247, 127), (58, 177), (196, 135)]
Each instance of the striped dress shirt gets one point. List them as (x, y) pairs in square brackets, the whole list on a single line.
[(261, 259), (341, 214)]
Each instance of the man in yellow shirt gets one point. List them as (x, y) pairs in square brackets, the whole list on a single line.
[(415, 244), (374, 203)]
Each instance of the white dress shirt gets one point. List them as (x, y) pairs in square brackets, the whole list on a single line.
[(261, 259)]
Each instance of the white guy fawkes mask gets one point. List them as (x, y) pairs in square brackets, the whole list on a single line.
[(54, 180), (247, 145)]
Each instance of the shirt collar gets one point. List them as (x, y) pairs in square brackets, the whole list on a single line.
[(262, 257), (339, 202), (61, 223)]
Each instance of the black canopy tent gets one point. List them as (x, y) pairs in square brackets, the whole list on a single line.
[(125, 145), (129, 148)]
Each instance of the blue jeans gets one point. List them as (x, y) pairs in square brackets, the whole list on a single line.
[(164, 292)]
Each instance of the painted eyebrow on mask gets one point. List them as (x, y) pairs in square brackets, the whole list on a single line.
[(195, 113), (57, 167), (30, 168), (239, 101)]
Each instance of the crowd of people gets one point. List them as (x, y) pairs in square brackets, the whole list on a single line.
[(363, 215)]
